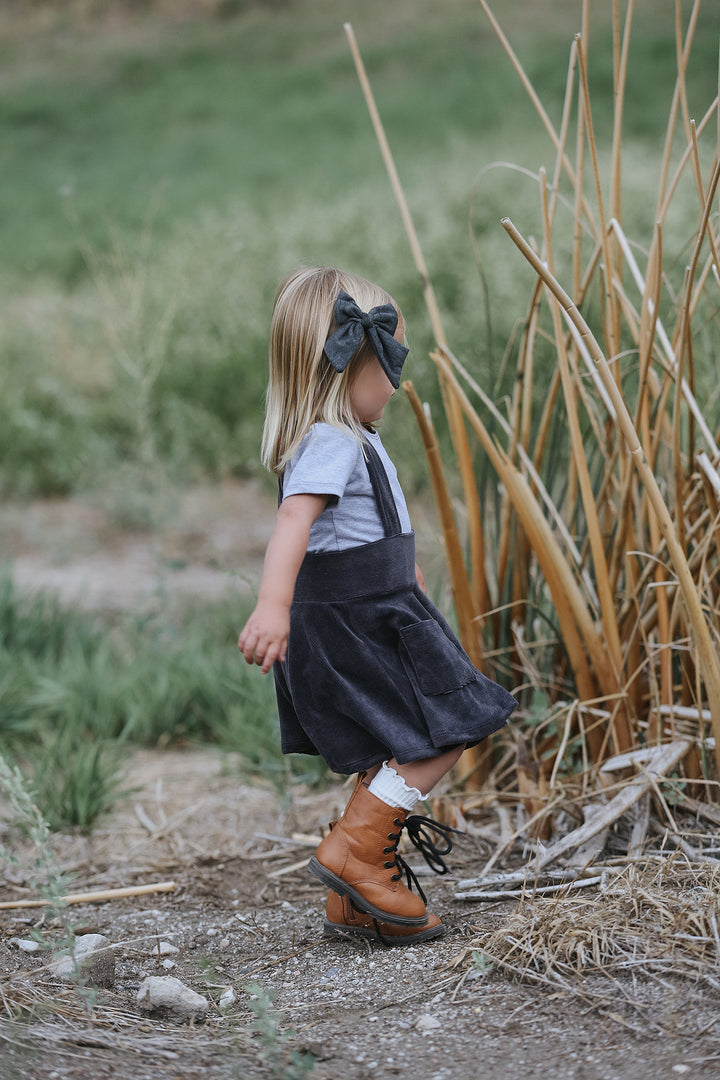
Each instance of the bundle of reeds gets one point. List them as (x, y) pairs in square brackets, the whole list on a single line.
[(600, 598)]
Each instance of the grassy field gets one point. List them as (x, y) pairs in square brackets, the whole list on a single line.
[(161, 171), (160, 175), (77, 689)]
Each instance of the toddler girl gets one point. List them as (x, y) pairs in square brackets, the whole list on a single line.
[(368, 674)]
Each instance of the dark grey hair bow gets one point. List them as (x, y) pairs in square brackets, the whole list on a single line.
[(380, 324)]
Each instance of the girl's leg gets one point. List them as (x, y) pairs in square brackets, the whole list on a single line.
[(423, 774)]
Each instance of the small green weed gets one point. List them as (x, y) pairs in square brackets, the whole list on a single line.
[(481, 963), (47, 879), (49, 882), (281, 1063)]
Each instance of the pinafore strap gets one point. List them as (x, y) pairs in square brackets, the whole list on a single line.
[(382, 491)]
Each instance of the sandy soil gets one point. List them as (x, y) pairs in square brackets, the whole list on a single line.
[(209, 541)]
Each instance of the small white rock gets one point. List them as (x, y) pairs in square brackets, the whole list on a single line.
[(426, 1022), (168, 964), (227, 998), (166, 994), (25, 944), (91, 960), (164, 948)]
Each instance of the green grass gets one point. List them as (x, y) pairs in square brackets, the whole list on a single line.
[(160, 177), (76, 690)]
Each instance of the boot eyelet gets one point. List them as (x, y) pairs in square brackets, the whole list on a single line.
[(398, 822), (387, 850), (395, 877), (391, 836), (389, 866)]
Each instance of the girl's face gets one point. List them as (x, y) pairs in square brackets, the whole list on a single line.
[(370, 392), (371, 389)]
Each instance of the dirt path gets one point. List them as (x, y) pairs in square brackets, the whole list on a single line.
[(240, 917), (207, 542)]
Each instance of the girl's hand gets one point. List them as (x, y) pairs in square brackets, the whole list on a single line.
[(265, 635), (420, 578)]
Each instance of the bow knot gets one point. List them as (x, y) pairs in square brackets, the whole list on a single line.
[(380, 324)]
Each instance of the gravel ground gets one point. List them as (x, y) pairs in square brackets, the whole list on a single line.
[(348, 1008)]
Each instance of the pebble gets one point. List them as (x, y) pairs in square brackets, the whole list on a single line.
[(426, 1022), (87, 961), (164, 948), (167, 995), (227, 998), (25, 944)]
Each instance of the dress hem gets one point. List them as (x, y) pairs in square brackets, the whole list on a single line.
[(417, 753)]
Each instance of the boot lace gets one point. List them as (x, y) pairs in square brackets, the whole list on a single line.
[(399, 862), (432, 848)]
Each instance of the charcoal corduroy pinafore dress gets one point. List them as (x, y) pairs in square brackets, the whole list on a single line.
[(372, 669)]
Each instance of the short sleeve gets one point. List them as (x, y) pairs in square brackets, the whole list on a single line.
[(323, 463)]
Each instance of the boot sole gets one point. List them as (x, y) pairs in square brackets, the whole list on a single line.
[(339, 930), (334, 882)]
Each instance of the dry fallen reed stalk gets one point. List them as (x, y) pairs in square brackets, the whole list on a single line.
[(620, 556)]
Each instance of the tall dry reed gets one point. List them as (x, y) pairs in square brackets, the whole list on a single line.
[(621, 555)]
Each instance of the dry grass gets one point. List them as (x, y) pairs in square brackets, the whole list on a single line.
[(657, 919), (593, 583)]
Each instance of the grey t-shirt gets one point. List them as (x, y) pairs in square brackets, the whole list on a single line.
[(330, 461)]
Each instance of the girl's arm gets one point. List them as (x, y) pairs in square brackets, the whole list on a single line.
[(264, 637)]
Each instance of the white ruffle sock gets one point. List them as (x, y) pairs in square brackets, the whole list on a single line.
[(389, 786)]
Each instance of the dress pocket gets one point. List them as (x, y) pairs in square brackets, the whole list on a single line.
[(432, 660)]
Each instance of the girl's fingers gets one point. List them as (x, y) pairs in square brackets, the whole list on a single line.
[(275, 651), (268, 660), (248, 645), (261, 650)]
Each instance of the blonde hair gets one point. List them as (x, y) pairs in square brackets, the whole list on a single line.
[(304, 388)]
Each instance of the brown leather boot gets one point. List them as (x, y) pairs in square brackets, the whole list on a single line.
[(344, 920), (359, 859)]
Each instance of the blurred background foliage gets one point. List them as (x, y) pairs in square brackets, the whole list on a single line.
[(164, 165)]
